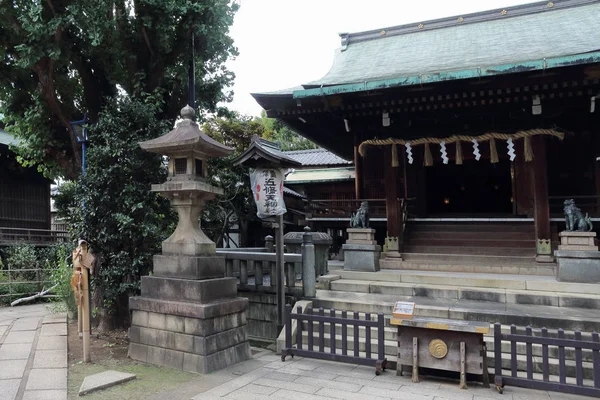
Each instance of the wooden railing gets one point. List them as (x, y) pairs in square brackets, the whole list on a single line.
[(533, 382), (353, 356), (587, 204), (37, 237)]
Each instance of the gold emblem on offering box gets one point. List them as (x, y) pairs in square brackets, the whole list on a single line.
[(403, 310), (438, 348)]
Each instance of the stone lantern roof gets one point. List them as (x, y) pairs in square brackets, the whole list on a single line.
[(187, 136)]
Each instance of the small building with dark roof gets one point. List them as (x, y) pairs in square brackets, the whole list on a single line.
[(24, 198)]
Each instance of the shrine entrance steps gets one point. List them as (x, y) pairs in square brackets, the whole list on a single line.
[(470, 245), (522, 300)]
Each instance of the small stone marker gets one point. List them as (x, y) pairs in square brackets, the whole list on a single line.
[(104, 380)]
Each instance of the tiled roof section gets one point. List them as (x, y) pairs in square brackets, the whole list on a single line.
[(316, 157), (293, 193), (508, 36)]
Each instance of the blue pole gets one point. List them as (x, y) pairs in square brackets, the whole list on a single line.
[(83, 149)]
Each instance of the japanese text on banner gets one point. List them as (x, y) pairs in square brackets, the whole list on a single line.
[(267, 188)]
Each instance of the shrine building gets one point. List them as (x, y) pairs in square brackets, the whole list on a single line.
[(469, 132)]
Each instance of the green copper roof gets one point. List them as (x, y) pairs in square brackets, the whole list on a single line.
[(516, 39)]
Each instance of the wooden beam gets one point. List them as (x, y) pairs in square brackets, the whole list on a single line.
[(392, 194), (358, 169), (539, 178)]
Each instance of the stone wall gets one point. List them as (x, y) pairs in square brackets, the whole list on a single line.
[(261, 314)]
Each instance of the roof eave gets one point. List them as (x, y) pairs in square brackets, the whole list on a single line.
[(479, 72)]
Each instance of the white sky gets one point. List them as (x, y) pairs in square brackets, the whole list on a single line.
[(284, 43)]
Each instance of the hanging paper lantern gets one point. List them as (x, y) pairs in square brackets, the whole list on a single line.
[(444, 153), (511, 149), (476, 152), (409, 155)]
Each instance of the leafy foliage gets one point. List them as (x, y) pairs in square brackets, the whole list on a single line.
[(235, 206), (45, 262), (21, 257), (61, 58), (59, 265), (276, 131), (123, 222)]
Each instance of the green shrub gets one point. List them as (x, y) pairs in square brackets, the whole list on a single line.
[(19, 259), (61, 270)]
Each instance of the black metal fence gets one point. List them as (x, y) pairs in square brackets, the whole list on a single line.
[(334, 353), (528, 380)]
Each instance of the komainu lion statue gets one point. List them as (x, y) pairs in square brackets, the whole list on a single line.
[(575, 219), (361, 218)]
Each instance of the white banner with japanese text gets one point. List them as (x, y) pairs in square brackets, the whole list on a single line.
[(267, 190)]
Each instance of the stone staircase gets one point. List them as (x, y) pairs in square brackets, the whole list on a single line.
[(522, 300), (470, 246)]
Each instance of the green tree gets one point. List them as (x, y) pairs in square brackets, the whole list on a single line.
[(61, 58), (236, 205), (122, 220), (276, 131)]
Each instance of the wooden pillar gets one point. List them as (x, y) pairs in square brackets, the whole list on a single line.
[(392, 194), (539, 178), (358, 169)]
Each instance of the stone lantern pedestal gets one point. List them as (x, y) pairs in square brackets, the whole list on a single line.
[(188, 316)]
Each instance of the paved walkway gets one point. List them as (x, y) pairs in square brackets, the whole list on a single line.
[(33, 353), (308, 379)]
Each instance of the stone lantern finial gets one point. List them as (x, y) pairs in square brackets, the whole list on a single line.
[(188, 112)]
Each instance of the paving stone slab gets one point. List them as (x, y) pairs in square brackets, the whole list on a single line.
[(9, 389), (104, 380), (45, 395), (55, 318), (20, 337), (15, 351), (47, 379), (54, 330), (25, 324), (50, 359), (12, 369), (52, 343), (3, 330)]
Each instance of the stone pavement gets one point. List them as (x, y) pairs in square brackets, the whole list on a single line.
[(307, 379), (33, 353)]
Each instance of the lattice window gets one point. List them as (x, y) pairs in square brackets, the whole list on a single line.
[(180, 166)]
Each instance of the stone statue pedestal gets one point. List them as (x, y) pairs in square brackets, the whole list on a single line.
[(361, 252), (578, 258), (577, 241)]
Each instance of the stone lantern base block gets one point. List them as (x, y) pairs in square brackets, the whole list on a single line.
[(189, 267), (198, 338), (361, 257), (187, 290), (578, 266), (577, 241), (189, 249)]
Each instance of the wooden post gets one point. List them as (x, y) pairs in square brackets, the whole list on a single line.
[(463, 370), (415, 366), (85, 314), (280, 274), (540, 189), (358, 168), (392, 194), (80, 312)]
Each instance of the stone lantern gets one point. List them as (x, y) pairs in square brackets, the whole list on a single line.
[(188, 316)]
